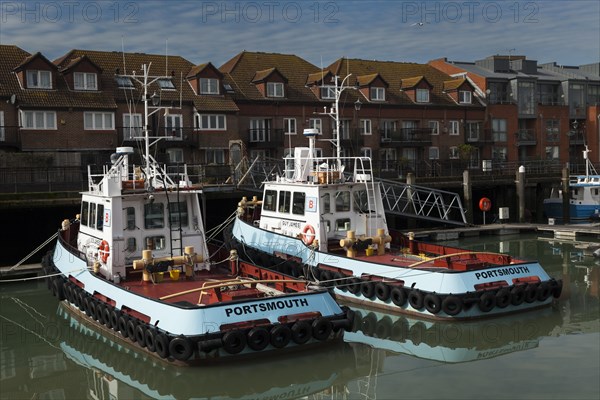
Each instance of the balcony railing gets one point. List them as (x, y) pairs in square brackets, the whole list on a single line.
[(352, 139), (525, 137), (405, 137), (481, 137), (265, 138)]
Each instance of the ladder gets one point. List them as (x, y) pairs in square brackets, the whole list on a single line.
[(363, 172)]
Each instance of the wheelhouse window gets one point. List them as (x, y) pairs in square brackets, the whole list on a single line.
[(92, 218), (342, 201), (270, 200), (154, 216), (39, 79), (156, 242), (100, 217), (422, 95), (85, 81), (178, 214), (325, 203), (211, 122), (298, 203), (378, 94), (98, 121), (85, 206), (209, 86), (130, 218), (342, 224), (284, 201), (361, 201), (274, 89), (39, 120)]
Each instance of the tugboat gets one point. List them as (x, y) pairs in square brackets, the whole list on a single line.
[(136, 261), (584, 201), (325, 224)]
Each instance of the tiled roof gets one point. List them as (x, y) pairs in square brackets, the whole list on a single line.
[(410, 82), (454, 84), (395, 74), (317, 77), (241, 70), (365, 80), (11, 57), (201, 67), (77, 61)]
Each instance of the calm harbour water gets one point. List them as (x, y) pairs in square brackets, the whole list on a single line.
[(553, 353)]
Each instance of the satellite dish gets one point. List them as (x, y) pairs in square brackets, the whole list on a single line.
[(13, 99)]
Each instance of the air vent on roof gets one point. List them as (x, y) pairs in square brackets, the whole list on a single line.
[(228, 88)]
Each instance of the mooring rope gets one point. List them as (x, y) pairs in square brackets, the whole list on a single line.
[(34, 251)]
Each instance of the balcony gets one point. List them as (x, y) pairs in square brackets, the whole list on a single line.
[(9, 137), (407, 137), (265, 138), (183, 136), (526, 137), (480, 138), (352, 139)]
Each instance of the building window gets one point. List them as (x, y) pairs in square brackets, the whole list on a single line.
[(453, 154), (498, 92), (274, 89), (552, 130), (289, 126), (209, 86), (464, 97), (215, 156), (316, 123), (366, 152), (211, 122), (258, 130), (577, 99), (2, 138), (434, 127), (174, 126), (132, 126), (454, 128), (548, 93), (434, 153), (499, 153), (327, 93), (388, 159), (552, 152), (154, 215), (124, 82), (499, 130), (39, 120), (593, 95), (422, 95), (472, 131), (175, 156), (378, 94), (526, 97), (85, 81), (39, 79), (365, 126), (98, 121), (166, 84)]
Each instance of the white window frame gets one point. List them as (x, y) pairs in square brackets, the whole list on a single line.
[(132, 131), (258, 130), (87, 81), (35, 79), (35, 114), (327, 93), (211, 122), (176, 127), (275, 89), (214, 156), (453, 153), (377, 93), (316, 123), (2, 137), (165, 84), (366, 127), (289, 126), (422, 95), (366, 152), (464, 96), (175, 155), (124, 82), (434, 126), (434, 153), (209, 86), (454, 128), (95, 125)]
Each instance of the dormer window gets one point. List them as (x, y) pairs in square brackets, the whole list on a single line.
[(327, 93), (39, 79), (274, 89), (209, 86), (464, 97), (422, 96), (85, 81), (166, 84), (124, 82), (378, 94)]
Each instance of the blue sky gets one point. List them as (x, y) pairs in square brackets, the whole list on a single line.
[(567, 32)]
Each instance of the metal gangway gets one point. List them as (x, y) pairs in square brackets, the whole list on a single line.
[(399, 198)]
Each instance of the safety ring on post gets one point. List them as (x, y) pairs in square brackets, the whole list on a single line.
[(485, 204), (104, 251), (308, 235)]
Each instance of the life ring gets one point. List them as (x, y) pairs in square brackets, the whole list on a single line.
[(485, 204), (308, 238), (301, 332), (181, 348), (382, 291), (280, 336), (415, 299), (503, 297), (233, 342), (432, 303), (452, 305), (258, 338), (321, 328), (398, 296), (104, 251)]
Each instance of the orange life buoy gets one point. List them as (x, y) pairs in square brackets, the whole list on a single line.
[(307, 237), (485, 204), (104, 250)]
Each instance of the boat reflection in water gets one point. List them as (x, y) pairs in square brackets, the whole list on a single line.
[(117, 371)]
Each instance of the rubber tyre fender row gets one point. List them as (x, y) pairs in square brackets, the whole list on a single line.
[(280, 336), (416, 299), (503, 297), (531, 292), (321, 328), (452, 305), (398, 295), (57, 289), (487, 301), (258, 338), (233, 342), (432, 303), (354, 285), (367, 289), (301, 332), (517, 295), (543, 291), (162, 345), (382, 291), (181, 348)]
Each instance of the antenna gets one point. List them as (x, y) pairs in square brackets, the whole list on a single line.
[(166, 57), (123, 53)]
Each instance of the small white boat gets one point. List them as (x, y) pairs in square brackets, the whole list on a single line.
[(136, 261), (584, 200), (324, 220)]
